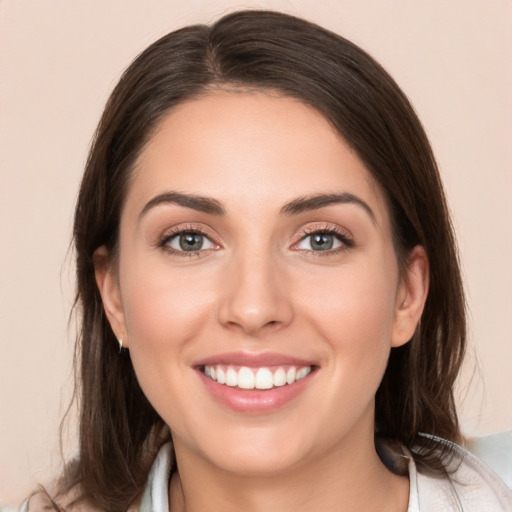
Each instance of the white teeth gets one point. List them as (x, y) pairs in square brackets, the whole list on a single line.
[(302, 373), (245, 378), (221, 376), (264, 379), (251, 378), (279, 377), (231, 378)]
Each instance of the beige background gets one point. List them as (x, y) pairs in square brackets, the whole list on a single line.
[(60, 59)]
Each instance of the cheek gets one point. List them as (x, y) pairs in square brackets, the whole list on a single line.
[(165, 312), (162, 305), (353, 310)]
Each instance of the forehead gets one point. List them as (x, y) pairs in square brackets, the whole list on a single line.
[(250, 148)]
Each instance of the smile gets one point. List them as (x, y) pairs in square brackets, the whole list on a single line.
[(261, 378), (251, 383)]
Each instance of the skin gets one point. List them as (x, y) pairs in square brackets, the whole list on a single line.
[(258, 286)]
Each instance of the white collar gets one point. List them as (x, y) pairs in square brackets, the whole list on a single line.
[(472, 485)]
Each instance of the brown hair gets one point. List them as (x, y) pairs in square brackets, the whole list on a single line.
[(119, 430)]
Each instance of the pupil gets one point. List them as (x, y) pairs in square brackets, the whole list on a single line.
[(191, 242), (322, 242)]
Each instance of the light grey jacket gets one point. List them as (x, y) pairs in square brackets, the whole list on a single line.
[(471, 487)]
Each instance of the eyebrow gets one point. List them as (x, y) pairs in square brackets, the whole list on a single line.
[(295, 207), (317, 201), (199, 203)]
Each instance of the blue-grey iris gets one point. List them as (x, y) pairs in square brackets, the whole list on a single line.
[(322, 242), (191, 241)]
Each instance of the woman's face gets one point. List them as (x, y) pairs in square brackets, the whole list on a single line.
[(257, 286)]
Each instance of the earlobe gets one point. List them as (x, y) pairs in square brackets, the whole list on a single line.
[(108, 286), (411, 297)]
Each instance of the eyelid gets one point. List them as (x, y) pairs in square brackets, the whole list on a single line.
[(181, 229), (341, 233)]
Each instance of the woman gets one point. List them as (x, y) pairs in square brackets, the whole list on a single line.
[(267, 276)]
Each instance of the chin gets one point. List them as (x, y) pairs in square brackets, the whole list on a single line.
[(256, 463), (257, 452)]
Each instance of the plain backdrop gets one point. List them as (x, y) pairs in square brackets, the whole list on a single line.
[(58, 61)]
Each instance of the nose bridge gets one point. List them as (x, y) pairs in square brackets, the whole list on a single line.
[(255, 292)]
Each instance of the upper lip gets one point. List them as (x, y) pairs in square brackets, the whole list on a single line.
[(253, 360)]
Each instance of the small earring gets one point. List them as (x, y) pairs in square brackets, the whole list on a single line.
[(120, 345)]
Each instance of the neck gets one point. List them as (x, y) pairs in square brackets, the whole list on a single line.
[(350, 478)]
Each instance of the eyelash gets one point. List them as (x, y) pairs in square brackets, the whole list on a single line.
[(182, 230), (345, 239), (342, 236)]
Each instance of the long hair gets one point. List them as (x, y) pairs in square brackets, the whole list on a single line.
[(120, 431)]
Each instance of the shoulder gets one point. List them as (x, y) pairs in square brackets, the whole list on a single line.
[(42, 501), (470, 485), (57, 500)]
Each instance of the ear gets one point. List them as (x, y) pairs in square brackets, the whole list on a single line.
[(411, 296), (108, 285)]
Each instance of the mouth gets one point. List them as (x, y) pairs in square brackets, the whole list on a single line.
[(255, 383), (262, 378)]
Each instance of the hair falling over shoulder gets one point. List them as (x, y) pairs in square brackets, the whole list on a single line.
[(120, 432)]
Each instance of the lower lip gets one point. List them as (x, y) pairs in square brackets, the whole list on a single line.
[(255, 400)]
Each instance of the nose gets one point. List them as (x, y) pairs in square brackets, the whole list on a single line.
[(255, 296)]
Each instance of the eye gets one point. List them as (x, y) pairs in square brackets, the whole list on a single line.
[(323, 241), (188, 241)]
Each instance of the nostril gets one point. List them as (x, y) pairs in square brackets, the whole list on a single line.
[(251, 308)]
